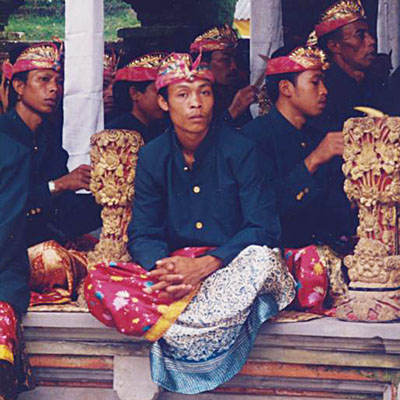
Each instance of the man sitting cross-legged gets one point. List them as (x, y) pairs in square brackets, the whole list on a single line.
[(298, 160), (54, 213), (197, 185)]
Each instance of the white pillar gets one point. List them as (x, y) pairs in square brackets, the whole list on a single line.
[(389, 29), (83, 82), (266, 36)]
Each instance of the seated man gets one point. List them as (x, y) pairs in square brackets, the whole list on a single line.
[(297, 157), (54, 211), (197, 185), (135, 93), (232, 96)]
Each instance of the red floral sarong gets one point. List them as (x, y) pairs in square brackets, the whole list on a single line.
[(116, 296), (311, 276)]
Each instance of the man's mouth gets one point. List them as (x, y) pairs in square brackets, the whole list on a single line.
[(51, 102)]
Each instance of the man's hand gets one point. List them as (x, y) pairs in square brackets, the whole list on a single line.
[(179, 275), (77, 179), (331, 146), (242, 100)]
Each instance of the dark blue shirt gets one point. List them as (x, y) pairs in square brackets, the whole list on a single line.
[(304, 200), (60, 217), (129, 122), (223, 201), (15, 165)]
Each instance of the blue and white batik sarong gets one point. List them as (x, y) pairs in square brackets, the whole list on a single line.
[(211, 340)]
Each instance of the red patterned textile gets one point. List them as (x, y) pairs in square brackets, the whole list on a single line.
[(8, 332), (298, 60), (116, 296), (55, 272), (39, 56), (179, 67), (339, 14), (311, 277), (141, 69)]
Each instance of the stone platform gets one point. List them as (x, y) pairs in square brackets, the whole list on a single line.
[(76, 357)]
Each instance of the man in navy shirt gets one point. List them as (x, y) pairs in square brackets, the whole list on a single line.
[(135, 93)]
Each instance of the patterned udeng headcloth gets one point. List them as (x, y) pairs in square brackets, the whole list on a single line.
[(339, 14), (179, 67), (40, 56), (298, 60)]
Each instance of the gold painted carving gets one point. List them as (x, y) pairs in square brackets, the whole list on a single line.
[(114, 157), (372, 169)]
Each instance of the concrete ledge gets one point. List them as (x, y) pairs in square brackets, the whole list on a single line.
[(323, 358)]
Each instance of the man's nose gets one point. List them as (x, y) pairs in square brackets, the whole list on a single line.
[(195, 101), (370, 39)]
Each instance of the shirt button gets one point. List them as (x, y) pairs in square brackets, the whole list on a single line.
[(196, 189), (33, 211), (186, 168), (306, 190), (199, 225), (303, 145), (38, 210), (36, 148)]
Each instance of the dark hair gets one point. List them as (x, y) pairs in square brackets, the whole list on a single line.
[(335, 35), (122, 97), (205, 57), (272, 83), (163, 92), (12, 94)]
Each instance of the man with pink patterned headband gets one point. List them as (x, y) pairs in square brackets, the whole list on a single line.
[(200, 194)]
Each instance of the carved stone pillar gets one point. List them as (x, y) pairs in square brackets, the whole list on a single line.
[(114, 157), (372, 169)]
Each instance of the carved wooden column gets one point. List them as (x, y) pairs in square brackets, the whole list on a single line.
[(372, 169), (114, 157)]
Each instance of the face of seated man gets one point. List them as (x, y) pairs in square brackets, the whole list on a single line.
[(41, 92), (354, 47), (223, 66), (306, 95), (190, 106)]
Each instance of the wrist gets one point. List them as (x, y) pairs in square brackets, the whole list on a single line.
[(209, 264), (233, 112), (312, 163)]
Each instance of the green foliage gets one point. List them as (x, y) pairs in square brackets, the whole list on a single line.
[(44, 27)]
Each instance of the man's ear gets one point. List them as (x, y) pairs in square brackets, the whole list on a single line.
[(333, 46), (162, 103), (18, 86), (285, 88), (133, 93)]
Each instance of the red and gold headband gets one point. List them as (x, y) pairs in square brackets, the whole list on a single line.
[(299, 60), (39, 56), (141, 69), (179, 67), (339, 14), (218, 38)]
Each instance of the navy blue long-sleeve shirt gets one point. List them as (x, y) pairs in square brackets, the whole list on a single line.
[(307, 212), (223, 201)]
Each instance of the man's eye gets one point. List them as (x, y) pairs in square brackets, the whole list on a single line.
[(44, 79), (182, 95), (206, 92)]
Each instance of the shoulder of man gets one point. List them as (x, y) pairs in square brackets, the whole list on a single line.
[(156, 150)]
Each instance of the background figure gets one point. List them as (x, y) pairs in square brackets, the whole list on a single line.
[(233, 95)]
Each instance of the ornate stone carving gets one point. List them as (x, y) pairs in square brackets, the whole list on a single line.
[(372, 169), (114, 157)]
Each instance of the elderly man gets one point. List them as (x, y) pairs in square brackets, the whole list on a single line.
[(232, 97), (135, 93), (298, 159), (343, 34), (198, 187)]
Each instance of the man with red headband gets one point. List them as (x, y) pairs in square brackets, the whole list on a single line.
[(54, 213), (232, 98), (135, 94), (297, 159), (343, 34), (198, 185)]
